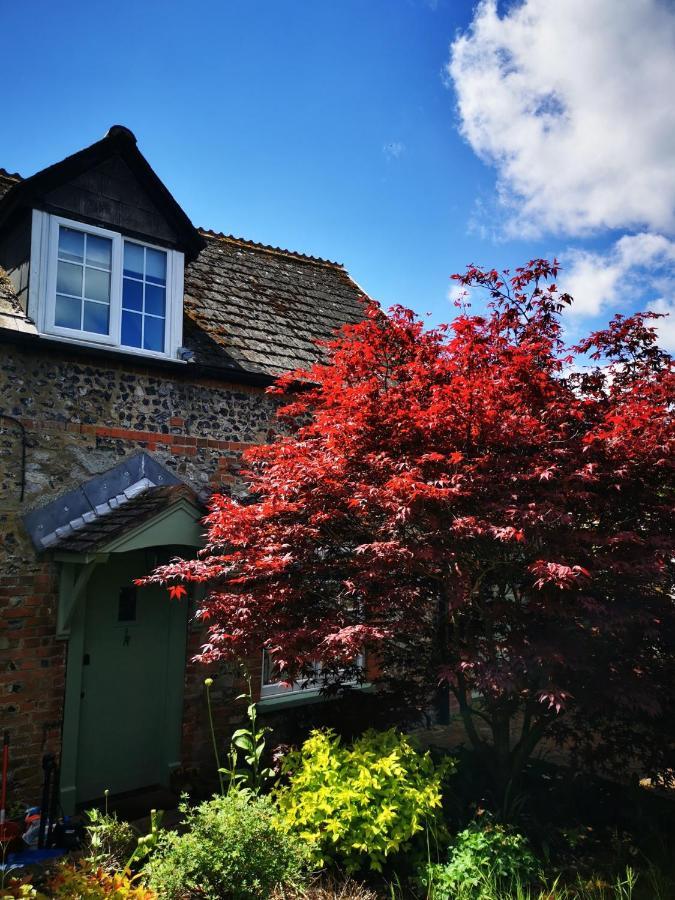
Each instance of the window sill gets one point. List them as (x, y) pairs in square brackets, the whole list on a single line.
[(112, 349), (300, 698)]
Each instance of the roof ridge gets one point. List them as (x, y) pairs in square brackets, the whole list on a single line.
[(13, 175), (220, 235), (136, 489), (270, 248)]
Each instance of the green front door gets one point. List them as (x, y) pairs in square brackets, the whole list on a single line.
[(132, 675)]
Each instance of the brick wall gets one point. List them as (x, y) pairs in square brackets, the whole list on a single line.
[(80, 419)]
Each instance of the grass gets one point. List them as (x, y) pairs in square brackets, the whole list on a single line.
[(650, 885)]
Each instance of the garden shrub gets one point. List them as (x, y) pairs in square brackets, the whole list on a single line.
[(483, 857), (356, 805), (232, 848), (81, 881), (109, 841), (17, 888)]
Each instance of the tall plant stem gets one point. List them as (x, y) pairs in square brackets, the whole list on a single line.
[(207, 683)]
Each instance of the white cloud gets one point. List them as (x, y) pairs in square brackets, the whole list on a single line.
[(638, 271), (459, 295), (394, 149), (572, 102), (665, 327)]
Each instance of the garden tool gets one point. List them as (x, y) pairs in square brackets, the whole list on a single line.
[(49, 800), (8, 830)]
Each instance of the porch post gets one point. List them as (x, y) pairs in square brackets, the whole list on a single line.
[(73, 581)]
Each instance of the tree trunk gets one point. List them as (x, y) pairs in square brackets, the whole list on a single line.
[(443, 636)]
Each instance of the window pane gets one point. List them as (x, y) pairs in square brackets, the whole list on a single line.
[(96, 317), (97, 285), (68, 312), (71, 244), (153, 338), (133, 260), (155, 266), (154, 300), (132, 295), (69, 279), (131, 329), (126, 607), (99, 251)]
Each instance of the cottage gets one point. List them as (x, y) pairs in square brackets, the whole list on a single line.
[(135, 350)]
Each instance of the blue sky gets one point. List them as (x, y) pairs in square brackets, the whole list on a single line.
[(401, 137)]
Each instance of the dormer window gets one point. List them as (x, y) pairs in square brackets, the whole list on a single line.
[(100, 287), (143, 297), (83, 268)]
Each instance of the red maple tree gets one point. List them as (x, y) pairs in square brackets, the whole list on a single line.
[(480, 507)]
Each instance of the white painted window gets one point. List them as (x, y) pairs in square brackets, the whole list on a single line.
[(272, 686), (94, 286)]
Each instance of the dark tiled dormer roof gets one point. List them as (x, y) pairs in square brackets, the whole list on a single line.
[(8, 180), (12, 315), (249, 307)]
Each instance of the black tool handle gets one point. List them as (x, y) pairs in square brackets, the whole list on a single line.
[(48, 768)]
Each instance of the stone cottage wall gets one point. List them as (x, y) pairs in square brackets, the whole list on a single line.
[(81, 417)]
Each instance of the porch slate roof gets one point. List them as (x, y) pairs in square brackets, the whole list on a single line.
[(249, 307), (110, 502), (98, 532)]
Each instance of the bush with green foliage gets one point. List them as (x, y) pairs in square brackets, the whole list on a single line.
[(109, 841), (232, 847), (483, 857), (356, 805)]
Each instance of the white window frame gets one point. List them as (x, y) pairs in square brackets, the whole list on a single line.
[(278, 688), (42, 288)]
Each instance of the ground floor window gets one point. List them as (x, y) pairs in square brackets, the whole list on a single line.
[(272, 685)]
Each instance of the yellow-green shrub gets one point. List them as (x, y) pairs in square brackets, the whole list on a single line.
[(80, 881), (356, 805)]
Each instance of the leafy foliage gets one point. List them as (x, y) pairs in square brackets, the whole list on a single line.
[(13, 888), (232, 847), (484, 854), (109, 841), (250, 740), (358, 804), (80, 881), (473, 503)]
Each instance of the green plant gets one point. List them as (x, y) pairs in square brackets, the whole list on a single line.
[(232, 848), (18, 889), (662, 887), (81, 881), (518, 889), (147, 842), (108, 841), (249, 739), (484, 856), (11, 885), (208, 684), (356, 805)]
